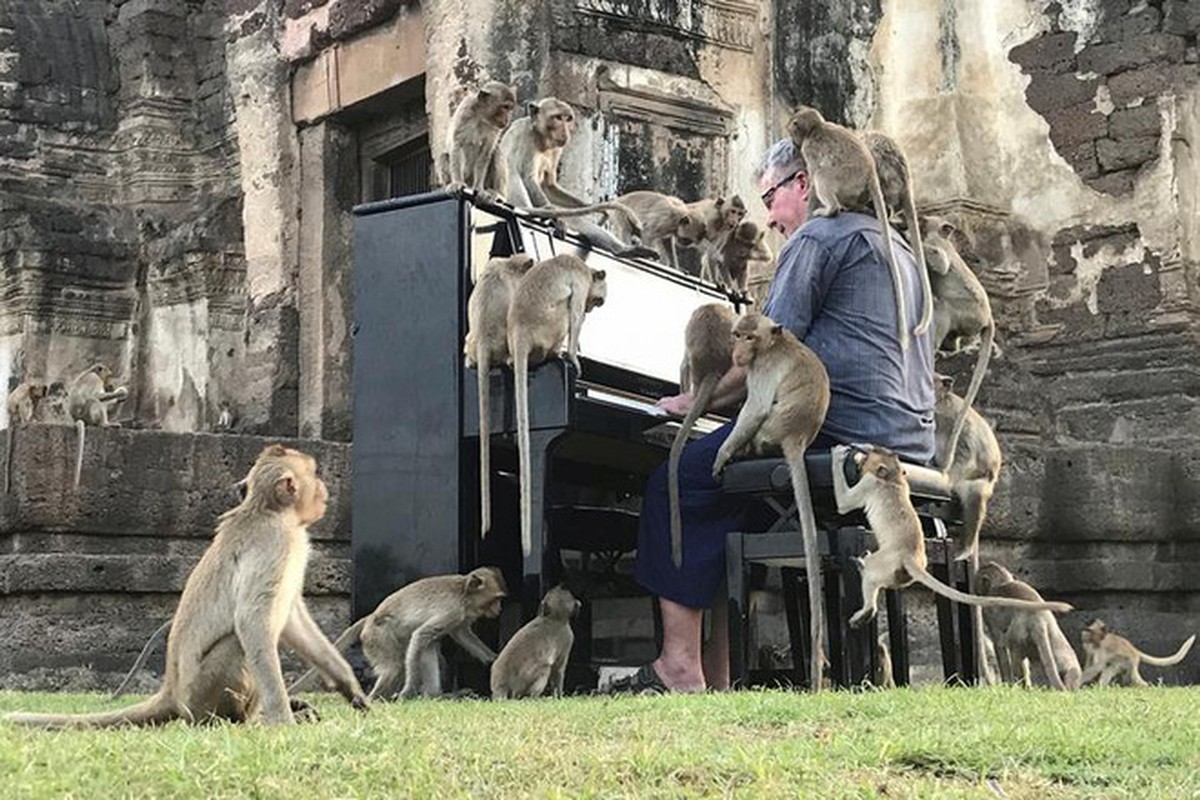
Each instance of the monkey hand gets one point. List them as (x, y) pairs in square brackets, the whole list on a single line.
[(860, 618), (456, 189), (360, 703), (719, 465)]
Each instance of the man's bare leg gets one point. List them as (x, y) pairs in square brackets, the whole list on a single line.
[(679, 664)]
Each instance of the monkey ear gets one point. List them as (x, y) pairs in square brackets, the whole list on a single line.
[(286, 490), (720, 201), (776, 330), (533, 108), (474, 583), (883, 472)]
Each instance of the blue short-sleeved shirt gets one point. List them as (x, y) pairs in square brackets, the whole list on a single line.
[(832, 288)]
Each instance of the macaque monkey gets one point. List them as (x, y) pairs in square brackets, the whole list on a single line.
[(842, 174), (400, 637), (532, 147), (1024, 636), (535, 658), (708, 355), (720, 216), (882, 491), (225, 416), (242, 599), (730, 264), (960, 309), (22, 402), (487, 344), (787, 395), (895, 181), (975, 467), (1110, 656), (88, 401), (666, 221), (546, 313), (475, 130)]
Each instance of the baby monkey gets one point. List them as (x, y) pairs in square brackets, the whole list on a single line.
[(535, 658), (1110, 656)]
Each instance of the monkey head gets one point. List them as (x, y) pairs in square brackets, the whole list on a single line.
[(943, 386), (732, 212), (1093, 633), (285, 480), (497, 101), (559, 603), (752, 334), (37, 390), (804, 122), (553, 122), (485, 590), (881, 463), (991, 575), (597, 290)]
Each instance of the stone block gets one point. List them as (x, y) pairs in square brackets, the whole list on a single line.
[(1076, 124), (1050, 91), (348, 17), (1118, 29), (1082, 159), (1181, 17), (1138, 51), (1144, 120), (1140, 83), (1114, 183), (1050, 51), (1119, 154)]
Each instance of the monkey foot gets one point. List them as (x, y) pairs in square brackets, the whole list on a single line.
[(303, 711), (860, 619)]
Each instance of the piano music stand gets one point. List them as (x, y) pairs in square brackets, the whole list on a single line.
[(851, 653)]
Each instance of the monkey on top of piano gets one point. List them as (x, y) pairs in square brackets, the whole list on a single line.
[(867, 321)]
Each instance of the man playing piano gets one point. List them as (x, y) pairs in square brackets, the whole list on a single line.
[(833, 290)]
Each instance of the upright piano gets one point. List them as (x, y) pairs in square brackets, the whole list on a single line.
[(416, 483)]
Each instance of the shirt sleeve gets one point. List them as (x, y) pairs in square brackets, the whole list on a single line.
[(797, 292)]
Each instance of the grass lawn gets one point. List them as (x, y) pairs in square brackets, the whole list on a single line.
[(1002, 742)]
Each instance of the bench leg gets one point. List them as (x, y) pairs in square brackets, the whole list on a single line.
[(797, 623), (735, 581), (835, 624), (897, 636), (938, 568), (860, 649), (966, 622)]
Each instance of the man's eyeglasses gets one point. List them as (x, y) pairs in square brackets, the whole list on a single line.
[(768, 197)]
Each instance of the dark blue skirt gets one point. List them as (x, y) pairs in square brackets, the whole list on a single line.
[(707, 514)]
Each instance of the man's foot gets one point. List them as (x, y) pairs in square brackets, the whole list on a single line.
[(689, 678)]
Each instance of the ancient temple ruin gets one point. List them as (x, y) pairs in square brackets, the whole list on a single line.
[(176, 179)]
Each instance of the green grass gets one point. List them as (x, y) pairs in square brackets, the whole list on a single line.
[(1137, 743)]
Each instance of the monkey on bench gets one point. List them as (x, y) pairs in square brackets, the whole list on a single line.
[(241, 601)]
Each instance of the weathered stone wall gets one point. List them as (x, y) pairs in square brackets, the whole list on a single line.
[(86, 575)]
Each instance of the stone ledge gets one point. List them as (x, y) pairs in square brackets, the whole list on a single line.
[(149, 483)]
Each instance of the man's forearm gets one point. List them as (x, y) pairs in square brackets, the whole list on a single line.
[(731, 389)]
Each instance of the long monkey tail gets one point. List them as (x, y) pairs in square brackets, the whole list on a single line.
[(1167, 661), (147, 648), (521, 378), (812, 562), (914, 232), (80, 429), (483, 379), (152, 711), (699, 406), (556, 212), (881, 211), (981, 365), (925, 579), (341, 644)]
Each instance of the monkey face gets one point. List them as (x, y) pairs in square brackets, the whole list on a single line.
[(597, 290), (1094, 633), (883, 464), (734, 212), (556, 121), (288, 480), (486, 591), (752, 333)]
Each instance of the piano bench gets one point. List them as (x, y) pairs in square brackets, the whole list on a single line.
[(852, 653)]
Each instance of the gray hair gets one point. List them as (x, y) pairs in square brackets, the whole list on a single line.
[(783, 157)]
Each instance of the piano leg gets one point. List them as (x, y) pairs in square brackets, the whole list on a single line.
[(534, 569)]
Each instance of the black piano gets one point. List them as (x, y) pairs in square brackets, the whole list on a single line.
[(415, 413)]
